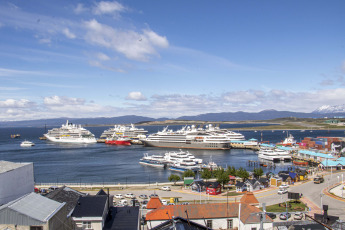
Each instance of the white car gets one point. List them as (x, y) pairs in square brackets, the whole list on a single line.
[(118, 196), (123, 203), (298, 216), (284, 186), (166, 188), (130, 195), (164, 202), (282, 191)]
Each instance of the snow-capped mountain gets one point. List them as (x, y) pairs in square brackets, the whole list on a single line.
[(330, 109)]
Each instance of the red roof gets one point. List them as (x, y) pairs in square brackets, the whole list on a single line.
[(154, 203), (208, 211), (249, 198)]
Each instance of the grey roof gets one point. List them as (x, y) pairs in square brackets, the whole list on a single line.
[(34, 206), (123, 218), (6, 166), (66, 194)]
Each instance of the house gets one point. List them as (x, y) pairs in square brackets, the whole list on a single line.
[(265, 182), (253, 185), (187, 181), (154, 203), (123, 218), (213, 188), (240, 186), (198, 186), (18, 178), (275, 181), (232, 180), (214, 216), (286, 179), (33, 211), (179, 223), (91, 212), (249, 198), (67, 195)]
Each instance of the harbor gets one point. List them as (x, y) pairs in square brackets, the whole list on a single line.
[(101, 163)]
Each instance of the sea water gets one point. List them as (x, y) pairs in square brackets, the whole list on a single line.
[(98, 163)]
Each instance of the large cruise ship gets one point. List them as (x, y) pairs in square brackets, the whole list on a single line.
[(70, 133), (125, 131), (189, 137)]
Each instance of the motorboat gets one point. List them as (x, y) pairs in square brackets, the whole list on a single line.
[(27, 144), (70, 133)]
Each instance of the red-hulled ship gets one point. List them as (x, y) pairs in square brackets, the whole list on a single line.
[(118, 141)]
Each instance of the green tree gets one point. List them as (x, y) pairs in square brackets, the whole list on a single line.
[(174, 178), (217, 172), (223, 178), (242, 173), (258, 172), (206, 174), (188, 173), (231, 171)]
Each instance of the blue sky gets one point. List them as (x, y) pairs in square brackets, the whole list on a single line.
[(169, 58)]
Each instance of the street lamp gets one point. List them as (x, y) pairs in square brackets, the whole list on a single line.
[(321, 195), (200, 192)]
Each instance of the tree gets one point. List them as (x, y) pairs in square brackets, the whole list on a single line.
[(223, 178), (206, 174), (174, 178), (217, 172), (258, 172), (242, 173), (188, 173), (231, 171)]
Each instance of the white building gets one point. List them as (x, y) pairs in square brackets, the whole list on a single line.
[(16, 180)]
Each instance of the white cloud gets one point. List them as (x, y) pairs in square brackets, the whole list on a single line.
[(108, 8), (62, 101), (80, 9), (68, 33), (343, 67), (12, 103), (134, 45), (137, 96), (44, 41), (103, 57)]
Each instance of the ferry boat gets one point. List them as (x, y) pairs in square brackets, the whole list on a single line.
[(70, 133), (180, 156), (188, 138), (153, 160), (182, 166), (273, 155), (131, 132), (27, 144), (118, 141)]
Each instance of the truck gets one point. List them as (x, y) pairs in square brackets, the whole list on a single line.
[(318, 180)]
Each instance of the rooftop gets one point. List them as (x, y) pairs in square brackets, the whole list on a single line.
[(6, 166), (35, 206), (249, 198), (123, 218), (90, 206), (153, 203)]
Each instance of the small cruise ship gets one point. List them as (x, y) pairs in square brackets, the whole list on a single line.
[(27, 144), (125, 131), (70, 133), (274, 154)]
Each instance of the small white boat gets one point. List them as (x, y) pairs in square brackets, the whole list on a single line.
[(27, 144)]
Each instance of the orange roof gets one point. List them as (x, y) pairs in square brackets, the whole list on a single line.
[(249, 198), (208, 211), (154, 203)]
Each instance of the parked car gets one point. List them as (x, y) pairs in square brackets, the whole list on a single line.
[(130, 195), (298, 216), (136, 202), (118, 196), (153, 195), (144, 202), (171, 204), (284, 186), (53, 188), (166, 188), (271, 215), (164, 202), (284, 215), (185, 203), (143, 196), (282, 191), (123, 202)]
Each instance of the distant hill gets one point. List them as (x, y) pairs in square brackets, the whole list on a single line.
[(330, 109), (212, 117)]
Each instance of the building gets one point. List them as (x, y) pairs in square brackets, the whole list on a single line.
[(18, 178), (214, 216), (249, 198), (91, 212), (121, 218), (179, 223), (213, 188), (34, 212)]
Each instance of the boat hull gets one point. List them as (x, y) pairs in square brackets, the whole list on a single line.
[(152, 164), (118, 142), (184, 145), (80, 140)]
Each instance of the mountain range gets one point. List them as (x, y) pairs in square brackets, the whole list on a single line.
[(212, 117), (330, 109)]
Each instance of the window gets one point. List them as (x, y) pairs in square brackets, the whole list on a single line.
[(253, 228), (87, 225), (209, 223), (36, 228), (230, 224)]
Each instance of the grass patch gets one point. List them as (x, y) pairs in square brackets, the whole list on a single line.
[(292, 207)]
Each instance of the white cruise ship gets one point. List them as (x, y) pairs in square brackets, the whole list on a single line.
[(188, 137), (70, 133), (274, 154), (125, 131)]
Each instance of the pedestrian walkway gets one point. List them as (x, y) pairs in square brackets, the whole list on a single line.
[(336, 192), (313, 208)]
